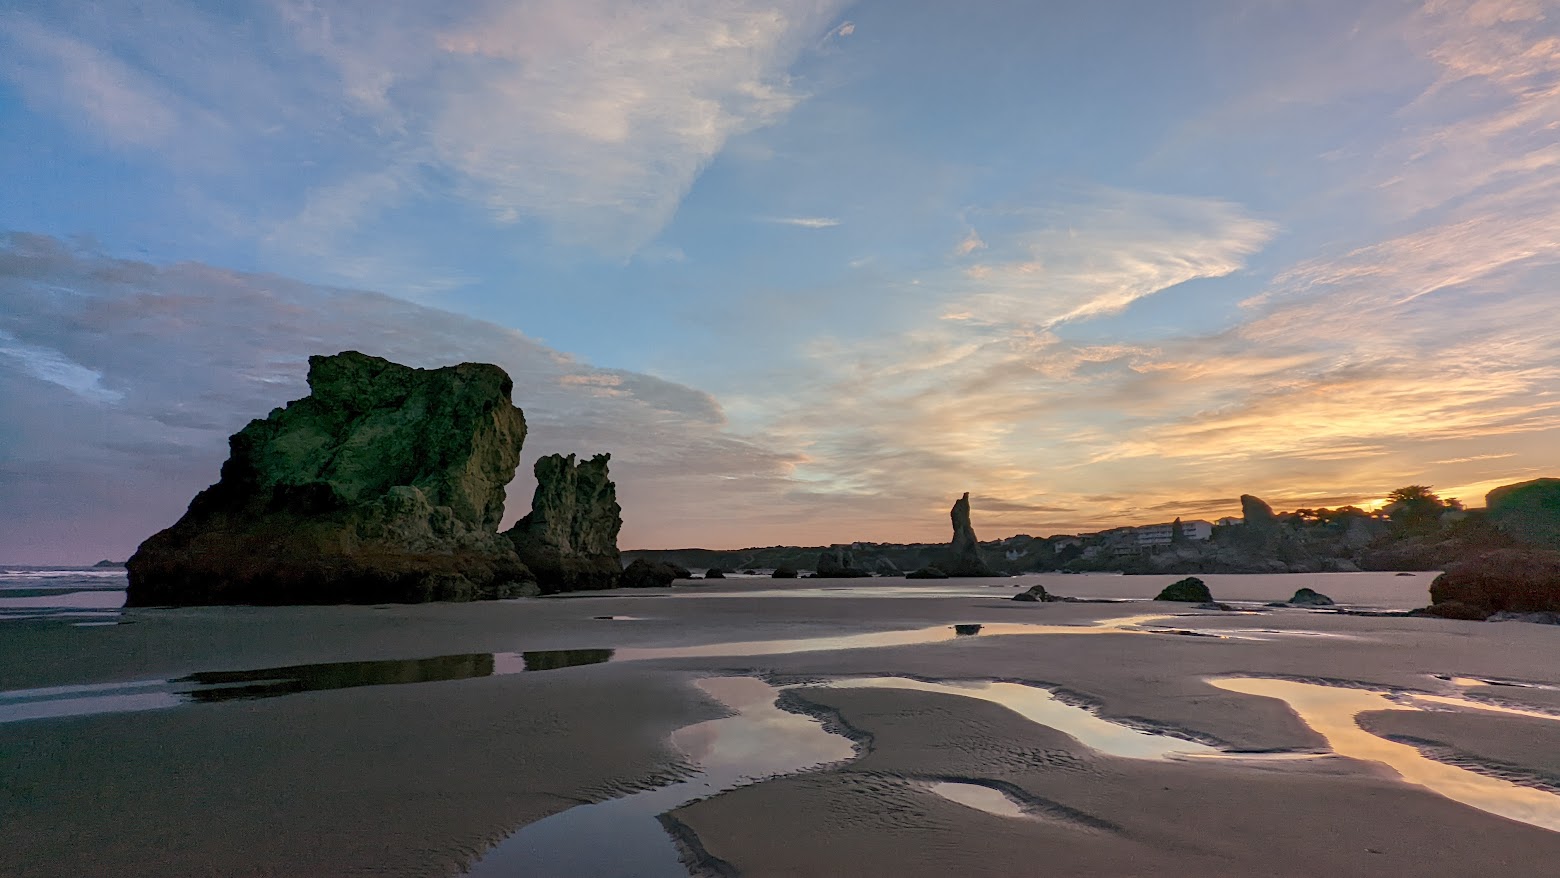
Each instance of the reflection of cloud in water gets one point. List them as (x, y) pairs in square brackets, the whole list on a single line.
[(767, 740), (1332, 712)]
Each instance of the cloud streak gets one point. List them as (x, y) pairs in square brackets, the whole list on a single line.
[(805, 222)]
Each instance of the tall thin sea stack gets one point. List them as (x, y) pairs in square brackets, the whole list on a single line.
[(962, 557)]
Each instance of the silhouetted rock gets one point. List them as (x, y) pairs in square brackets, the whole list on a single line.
[(963, 555), (1306, 597), (651, 574), (784, 573), (569, 539), (1504, 581), (1190, 590), (836, 562), (714, 573), (968, 630), (1527, 511), (926, 573), (385, 483), (750, 572), (106, 564), (1254, 511)]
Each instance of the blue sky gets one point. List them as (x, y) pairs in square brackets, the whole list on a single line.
[(808, 269)]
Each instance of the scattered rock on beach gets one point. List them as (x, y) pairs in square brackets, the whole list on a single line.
[(926, 573), (784, 572), (1036, 594), (384, 484), (1306, 597), (714, 573), (1190, 590)]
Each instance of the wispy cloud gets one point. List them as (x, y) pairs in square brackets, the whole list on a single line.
[(1097, 255), (591, 117), (109, 97), (806, 222), (969, 244)]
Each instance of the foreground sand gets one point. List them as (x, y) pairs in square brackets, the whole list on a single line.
[(420, 779)]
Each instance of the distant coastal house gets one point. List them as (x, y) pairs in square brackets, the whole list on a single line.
[(1163, 534)]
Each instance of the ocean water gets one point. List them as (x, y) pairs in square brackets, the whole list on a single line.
[(66, 595)]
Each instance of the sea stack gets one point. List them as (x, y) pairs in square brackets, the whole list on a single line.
[(569, 539), (385, 483), (963, 554)]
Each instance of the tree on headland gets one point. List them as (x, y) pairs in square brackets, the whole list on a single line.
[(1417, 508)]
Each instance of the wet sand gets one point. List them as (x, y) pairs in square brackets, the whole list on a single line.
[(424, 778)]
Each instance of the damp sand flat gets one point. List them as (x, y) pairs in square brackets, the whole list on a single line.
[(422, 778)]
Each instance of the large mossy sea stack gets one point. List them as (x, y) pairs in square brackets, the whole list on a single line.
[(385, 483), (569, 539)]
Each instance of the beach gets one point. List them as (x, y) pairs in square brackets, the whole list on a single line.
[(413, 739)]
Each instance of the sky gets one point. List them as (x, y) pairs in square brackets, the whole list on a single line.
[(809, 270)]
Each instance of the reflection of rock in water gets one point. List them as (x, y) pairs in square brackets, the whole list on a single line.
[(552, 659), (264, 682)]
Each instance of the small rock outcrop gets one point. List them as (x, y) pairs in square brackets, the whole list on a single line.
[(1190, 590), (1306, 597), (926, 573), (714, 573), (1036, 594), (569, 539), (962, 557), (385, 483), (837, 562), (784, 572), (651, 574), (1504, 581)]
